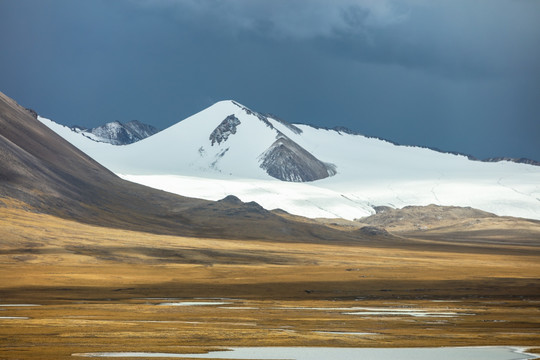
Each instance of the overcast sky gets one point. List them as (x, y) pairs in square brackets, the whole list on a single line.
[(459, 75)]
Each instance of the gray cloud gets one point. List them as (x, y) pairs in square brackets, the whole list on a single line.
[(296, 19), (457, 38)]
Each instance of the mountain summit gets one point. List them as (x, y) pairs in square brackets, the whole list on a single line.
[(226, 138)]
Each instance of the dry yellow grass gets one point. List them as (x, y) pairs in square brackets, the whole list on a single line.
[(94, 283)]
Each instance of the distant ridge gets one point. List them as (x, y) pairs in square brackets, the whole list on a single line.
[(117, 133), (345, 130)]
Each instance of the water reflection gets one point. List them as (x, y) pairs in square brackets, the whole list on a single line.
[(320, 353)]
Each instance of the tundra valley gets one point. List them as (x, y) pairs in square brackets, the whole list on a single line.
[(259, 235)]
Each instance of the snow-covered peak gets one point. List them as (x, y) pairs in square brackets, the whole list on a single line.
[(226, 139), (117, 133)]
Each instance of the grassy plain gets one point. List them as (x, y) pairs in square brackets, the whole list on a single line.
[(99, 289)]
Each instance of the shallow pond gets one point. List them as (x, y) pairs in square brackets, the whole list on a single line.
[(389, 311), (345, 333), (321, 353), (194, 303), (14, 317)]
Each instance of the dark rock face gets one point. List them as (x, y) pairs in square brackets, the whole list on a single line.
[(286, 160), (224, 130), (114, 132), (140, 130)]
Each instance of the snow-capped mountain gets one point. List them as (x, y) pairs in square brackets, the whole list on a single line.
[(230, 149), (226, 138), (118, 133)]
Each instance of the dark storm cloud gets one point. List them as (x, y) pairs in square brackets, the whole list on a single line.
[(459, 75), (299, 19), (456, 74), (456, 38)]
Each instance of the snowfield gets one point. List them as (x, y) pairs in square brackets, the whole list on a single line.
[(370, 172)]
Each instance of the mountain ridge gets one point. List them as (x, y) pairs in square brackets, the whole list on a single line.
[(346, 130), (353, 173), (141, 131)]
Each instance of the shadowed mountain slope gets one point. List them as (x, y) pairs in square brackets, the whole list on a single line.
[(42, 170), (49, 174)]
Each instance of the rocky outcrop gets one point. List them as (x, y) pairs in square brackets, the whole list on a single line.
[(224, 130), (286, 160)]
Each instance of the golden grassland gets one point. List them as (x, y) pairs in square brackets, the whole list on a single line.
[(99, 290)]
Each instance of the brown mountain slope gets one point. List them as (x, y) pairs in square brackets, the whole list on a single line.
[(459, 226), (412, 218), (42, 170)]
